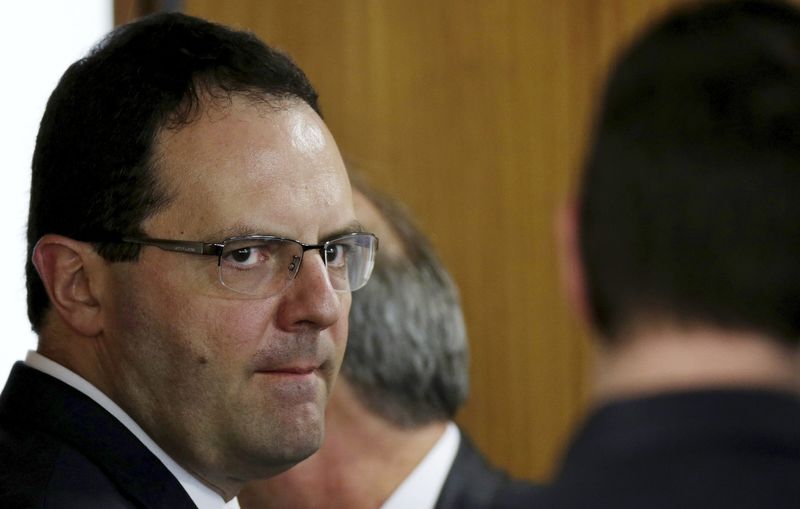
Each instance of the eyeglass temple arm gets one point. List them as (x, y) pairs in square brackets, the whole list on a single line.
[(181, 246)]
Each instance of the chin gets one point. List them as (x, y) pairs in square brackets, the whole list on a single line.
[(307, 441), (264, 461), (299, 437), (280, 461), (278, 440)]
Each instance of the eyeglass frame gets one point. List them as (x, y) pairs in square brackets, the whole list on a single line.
[(217, 248)]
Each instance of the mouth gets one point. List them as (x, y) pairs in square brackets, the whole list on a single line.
[(296, 359), (300, 370), (295, 384), (298, 381)]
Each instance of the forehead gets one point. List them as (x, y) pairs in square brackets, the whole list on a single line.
[(272, 167)]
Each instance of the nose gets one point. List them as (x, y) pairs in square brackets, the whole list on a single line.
[(310, 302)]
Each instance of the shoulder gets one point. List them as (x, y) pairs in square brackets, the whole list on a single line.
[(696, 449), (517, 493), (473, 482), (60, 448)]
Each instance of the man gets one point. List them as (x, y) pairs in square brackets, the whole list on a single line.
[(185, 345), (684, 254), (390, 439)]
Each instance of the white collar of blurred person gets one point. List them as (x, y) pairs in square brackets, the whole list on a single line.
[(422, 487)]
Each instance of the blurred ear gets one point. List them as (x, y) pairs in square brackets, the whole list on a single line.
[(69, 270), (573, 282)]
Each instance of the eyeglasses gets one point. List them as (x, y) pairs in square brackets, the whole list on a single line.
[(263, 265)]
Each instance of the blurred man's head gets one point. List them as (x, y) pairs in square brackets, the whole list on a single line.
[(688, 210), (407, 355), (688, 229)]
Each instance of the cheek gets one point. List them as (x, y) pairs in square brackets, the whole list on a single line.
[(200, 328), (234, 329)]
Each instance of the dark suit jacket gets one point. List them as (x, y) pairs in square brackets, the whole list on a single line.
[(731, 449), (474, 484), (60, 449)]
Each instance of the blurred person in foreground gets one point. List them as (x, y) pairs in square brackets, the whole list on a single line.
[(192, 248), (390, 439), (683, 252)]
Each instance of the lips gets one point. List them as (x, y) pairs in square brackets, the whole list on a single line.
[(293, 384), (296, 355), (291, 370), (292, 367)]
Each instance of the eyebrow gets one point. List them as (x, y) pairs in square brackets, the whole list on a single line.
[(352, 227), (237, 230), (244, 230)]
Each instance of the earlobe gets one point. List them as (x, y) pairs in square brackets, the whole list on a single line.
[(64, 266), (573, 282)]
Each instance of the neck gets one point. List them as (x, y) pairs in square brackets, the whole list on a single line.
[(362, 461), (670, 358)]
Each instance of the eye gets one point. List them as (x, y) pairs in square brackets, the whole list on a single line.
[(336, 254), (247, 257)]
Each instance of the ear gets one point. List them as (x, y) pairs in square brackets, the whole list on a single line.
[(573, 282), (69, 270)]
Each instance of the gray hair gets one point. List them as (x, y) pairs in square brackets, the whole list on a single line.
[(407, 353)]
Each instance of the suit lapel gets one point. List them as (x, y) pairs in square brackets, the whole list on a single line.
[(471, 482)]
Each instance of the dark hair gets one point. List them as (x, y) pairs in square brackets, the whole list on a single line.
[(407, 352), (690, 203), (94, 165)]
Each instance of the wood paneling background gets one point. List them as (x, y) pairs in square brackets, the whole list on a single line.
[(475, 114)]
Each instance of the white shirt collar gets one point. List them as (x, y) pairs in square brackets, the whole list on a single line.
[(203, 496), (421, 488)]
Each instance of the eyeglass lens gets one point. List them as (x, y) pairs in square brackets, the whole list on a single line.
[(263, 267)]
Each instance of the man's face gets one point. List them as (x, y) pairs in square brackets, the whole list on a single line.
[(234, 387)]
